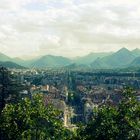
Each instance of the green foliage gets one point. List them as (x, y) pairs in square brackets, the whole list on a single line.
[(129, 116), (114, 123), (32, 120), (9, 88), (73, 98)]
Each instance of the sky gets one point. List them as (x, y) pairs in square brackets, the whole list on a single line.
[(68, 27)]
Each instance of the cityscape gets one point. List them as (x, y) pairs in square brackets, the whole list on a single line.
[(77, 93), (69, 70)]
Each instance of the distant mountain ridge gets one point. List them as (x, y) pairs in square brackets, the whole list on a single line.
[(12, 65), (90, 58), (4, 57), (135, 62), (9, 62), (136, 52), (121, 59), (51, 61)]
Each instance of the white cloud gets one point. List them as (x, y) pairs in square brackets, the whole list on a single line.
[(68, 27)]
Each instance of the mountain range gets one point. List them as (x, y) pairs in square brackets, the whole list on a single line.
[(10, 64), (123, 58), (51, 61), (119, 59), (88, 59)]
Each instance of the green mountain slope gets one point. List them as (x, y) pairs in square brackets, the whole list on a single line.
[(136, 52), (3, 57), (135, 62), (51, 61), (90, 58), (9, 64), (24, 63), (119, 59)]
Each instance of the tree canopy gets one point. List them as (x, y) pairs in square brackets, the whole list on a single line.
[(31, 119), (120, 122)]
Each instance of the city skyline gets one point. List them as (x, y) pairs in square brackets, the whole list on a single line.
[(68, 28)]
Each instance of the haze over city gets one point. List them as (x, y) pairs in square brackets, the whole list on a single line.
[(68, 27)]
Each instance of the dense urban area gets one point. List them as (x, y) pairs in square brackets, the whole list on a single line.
[(76, 94)]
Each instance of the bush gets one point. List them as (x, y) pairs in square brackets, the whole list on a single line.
[(114, 123), (32, 120)]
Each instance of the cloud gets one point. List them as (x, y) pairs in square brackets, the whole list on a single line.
[(68, 27)]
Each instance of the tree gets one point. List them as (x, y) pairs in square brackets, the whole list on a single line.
[(32, 120), (73, 98), (129, 116), (4, 81), (9, 88), (114, 123)]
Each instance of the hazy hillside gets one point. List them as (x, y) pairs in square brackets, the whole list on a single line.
[(136, 52), (121, 58), (90, 58), (25, 63), (51, 61), (99, 64), (9, 64), (135, 62), (3, 57)]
